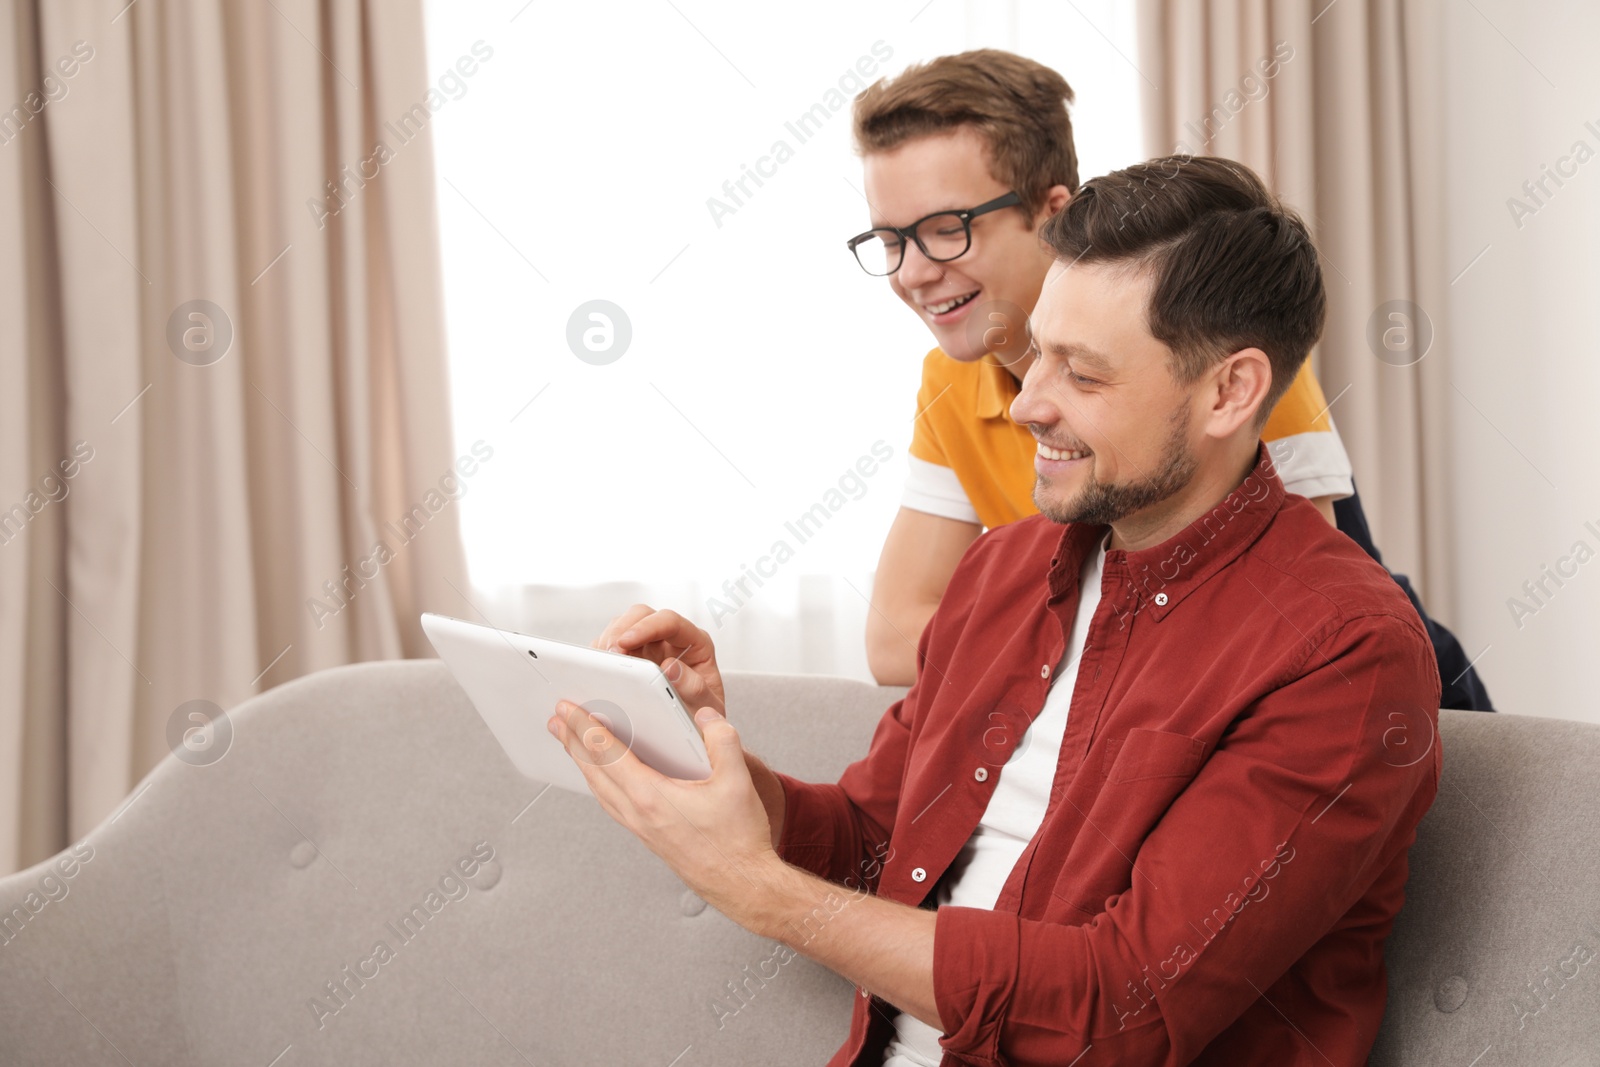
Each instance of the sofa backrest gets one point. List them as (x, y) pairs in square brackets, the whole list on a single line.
[(232, 911), (1495, 958), (364, 878)]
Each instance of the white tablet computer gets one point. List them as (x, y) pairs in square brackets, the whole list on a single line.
[(515, 680)]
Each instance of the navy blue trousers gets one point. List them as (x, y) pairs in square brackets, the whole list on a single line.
[(1460, 686)]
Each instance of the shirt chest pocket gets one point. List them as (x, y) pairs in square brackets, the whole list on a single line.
[(1148, 754), (1139, 776)]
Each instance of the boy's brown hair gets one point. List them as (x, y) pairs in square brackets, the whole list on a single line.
[(1017, 105), (1230, 266)]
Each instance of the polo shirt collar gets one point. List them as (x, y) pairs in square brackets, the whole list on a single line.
[(1161, 576), (996, 388)]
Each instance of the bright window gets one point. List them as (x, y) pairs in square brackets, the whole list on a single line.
[(576, 164)]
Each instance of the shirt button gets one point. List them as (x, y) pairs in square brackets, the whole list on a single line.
[(1044, 672), (981, 774), (1161, 600), (918, 874)]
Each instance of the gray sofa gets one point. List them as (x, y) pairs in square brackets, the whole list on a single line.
[(231, 912)]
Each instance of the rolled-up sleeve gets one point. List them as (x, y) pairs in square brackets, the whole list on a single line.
[(1305, 810)]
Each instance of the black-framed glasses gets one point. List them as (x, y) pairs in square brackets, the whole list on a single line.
[(942, 236)]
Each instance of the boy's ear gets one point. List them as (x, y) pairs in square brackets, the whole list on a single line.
[(1054, 201)]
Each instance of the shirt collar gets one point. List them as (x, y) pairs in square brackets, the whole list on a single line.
[(1160, 577), (997, 387)]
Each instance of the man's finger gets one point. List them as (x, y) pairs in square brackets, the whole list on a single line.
[(723, 747), (597, 752), (589, 738), (689, 684), (608, 636), (667, 627)]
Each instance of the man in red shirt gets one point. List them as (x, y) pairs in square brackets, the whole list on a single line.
[(1150, 798)]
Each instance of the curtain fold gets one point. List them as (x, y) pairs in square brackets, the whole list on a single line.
[(1338, 105), (224, 404)]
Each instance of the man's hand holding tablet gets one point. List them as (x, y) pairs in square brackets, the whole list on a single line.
[(718, 835), (688, 659), (714, 814)]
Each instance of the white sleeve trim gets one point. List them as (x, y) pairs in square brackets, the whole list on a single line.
[(935, 490), (1314, 464)]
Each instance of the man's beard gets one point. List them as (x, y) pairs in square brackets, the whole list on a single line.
[(1103, 503)]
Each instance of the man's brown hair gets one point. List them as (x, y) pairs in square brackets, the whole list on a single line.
[(1018, 106), (1230, 266)]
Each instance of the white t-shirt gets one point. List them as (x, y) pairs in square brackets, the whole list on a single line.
[(1015, 811)]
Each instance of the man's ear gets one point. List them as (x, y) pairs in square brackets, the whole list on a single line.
[(1241, 383)]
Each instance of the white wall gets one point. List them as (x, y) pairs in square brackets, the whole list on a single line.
[(1522, 334)]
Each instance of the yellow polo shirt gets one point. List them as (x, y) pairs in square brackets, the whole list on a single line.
[(969, 461)]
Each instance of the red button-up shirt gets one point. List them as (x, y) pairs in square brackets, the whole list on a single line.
[(1251, 743)]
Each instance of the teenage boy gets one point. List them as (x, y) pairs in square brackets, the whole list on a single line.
[(1150, 799), (966, 156)]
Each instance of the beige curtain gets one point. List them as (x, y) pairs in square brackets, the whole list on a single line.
[(1338, 105), (177, 501)]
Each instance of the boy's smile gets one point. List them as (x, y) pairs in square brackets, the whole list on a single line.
[(963, 300)]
